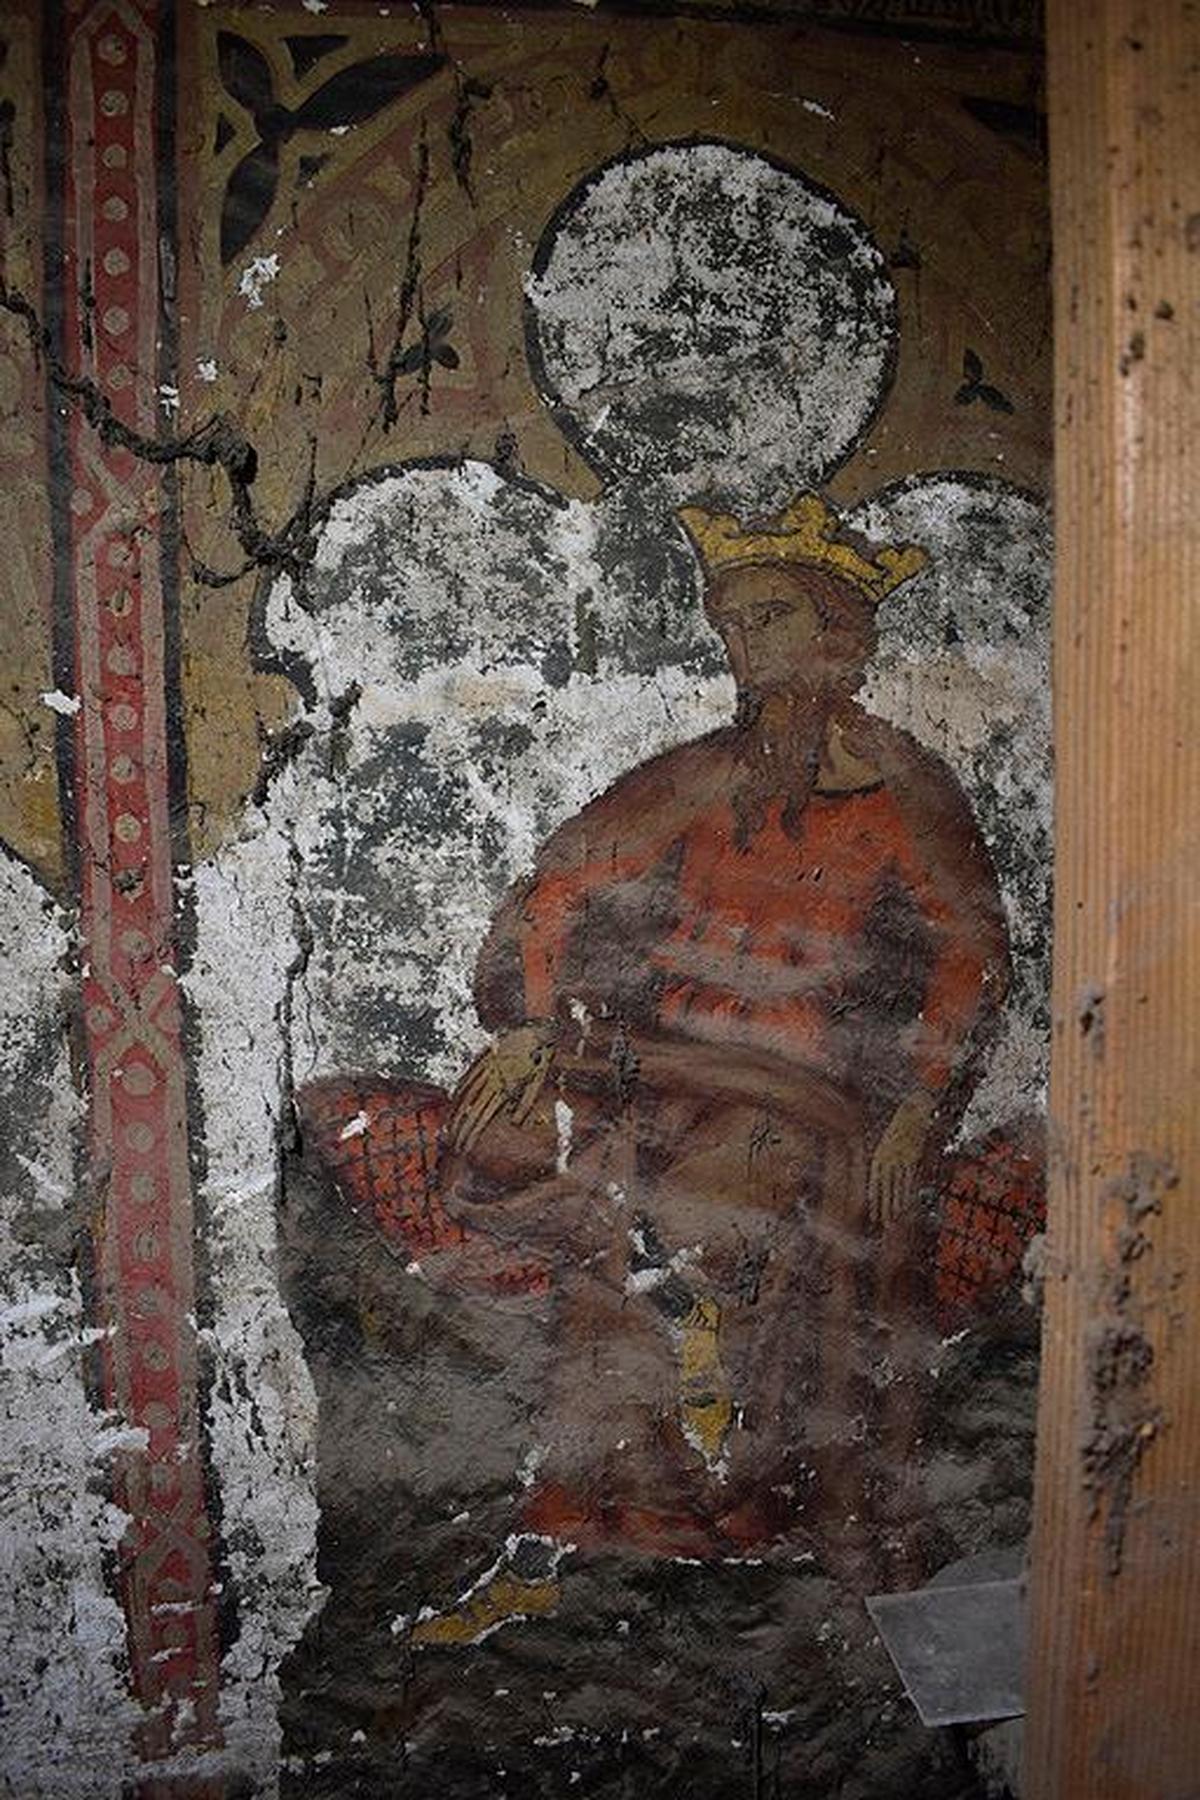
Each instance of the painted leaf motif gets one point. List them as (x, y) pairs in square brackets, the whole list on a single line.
[(361, 91), (1023, 125), (307, 50), (248, 198), (992, 397), (246, 74)]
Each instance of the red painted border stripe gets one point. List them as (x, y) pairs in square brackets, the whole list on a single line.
[(140, 1181)]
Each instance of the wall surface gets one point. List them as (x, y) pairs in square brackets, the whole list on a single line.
[(524, 776)]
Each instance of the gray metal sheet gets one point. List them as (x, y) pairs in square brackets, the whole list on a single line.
[(959, 1650)]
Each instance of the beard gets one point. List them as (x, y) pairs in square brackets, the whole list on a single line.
[(780, 738)]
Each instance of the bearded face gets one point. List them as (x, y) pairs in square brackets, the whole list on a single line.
[(780, 739), (797, 641), (787, 626)]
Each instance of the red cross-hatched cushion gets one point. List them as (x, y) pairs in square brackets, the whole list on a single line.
[(378, 1142), (992, 1204)]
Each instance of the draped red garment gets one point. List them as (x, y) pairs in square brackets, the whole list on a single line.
[(857, 951)]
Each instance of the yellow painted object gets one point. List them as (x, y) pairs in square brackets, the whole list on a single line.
[(805, 536), (500, 1601), (705, 1406)]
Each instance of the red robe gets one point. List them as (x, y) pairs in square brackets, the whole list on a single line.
[(872, 931), (851, 957)]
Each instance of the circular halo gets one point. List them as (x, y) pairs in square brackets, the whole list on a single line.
[(701, 314)]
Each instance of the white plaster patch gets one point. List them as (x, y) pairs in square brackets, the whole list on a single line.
[(964, 664), (463, 607), (67, 1714), (531, 1462), (66, 705), (264, 1461), (257, 275), (645, 1280), (564, 1120), (710, 318)]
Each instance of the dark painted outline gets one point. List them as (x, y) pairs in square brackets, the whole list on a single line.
[(63, 645), (168, 73), (566, 209), (64, 656), (167, 202), (981, 480), (793, 13)]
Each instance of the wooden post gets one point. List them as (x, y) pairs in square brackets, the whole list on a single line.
[(1114, 1678)]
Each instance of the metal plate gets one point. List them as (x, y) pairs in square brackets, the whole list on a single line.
[(959, 1650)]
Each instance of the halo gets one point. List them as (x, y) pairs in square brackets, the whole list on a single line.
[(704, 315)]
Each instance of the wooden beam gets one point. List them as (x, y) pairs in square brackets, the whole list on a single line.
[(1114, 1681)]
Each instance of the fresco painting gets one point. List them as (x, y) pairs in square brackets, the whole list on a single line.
[(543, 645), (686, 1050)]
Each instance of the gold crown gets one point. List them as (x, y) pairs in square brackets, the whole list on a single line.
[(806, 534)]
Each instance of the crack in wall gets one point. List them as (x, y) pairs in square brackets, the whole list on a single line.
[(410, 301), (293, 980), (218, 443), (462, 147)]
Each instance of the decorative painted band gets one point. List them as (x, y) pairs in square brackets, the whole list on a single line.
[(119, 578)]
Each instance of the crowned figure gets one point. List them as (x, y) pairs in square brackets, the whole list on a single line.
[(736, 1011)]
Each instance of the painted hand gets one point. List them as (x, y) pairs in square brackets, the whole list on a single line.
[(508, 1077), (892, 1182)]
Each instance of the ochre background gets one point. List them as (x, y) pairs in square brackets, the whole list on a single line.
[(29, 811), (957, 205)]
